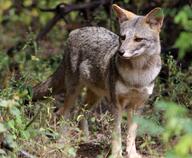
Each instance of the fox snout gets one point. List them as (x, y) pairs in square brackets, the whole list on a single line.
[(121, 52), (126, 53), (130, 53)]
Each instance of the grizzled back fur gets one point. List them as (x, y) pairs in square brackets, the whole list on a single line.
[(87, 57)]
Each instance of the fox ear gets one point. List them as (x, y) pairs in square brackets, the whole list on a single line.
[(155, 18), (122, 14)]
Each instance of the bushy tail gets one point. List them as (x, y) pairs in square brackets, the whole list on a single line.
[(52, 86)]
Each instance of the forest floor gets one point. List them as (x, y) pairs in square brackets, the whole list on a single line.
[(67, 140), (47, 139)]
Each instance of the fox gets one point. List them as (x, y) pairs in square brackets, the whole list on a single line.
[(122, 68)]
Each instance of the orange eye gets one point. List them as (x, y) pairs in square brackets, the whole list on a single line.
[(123, 37), (138, 39)]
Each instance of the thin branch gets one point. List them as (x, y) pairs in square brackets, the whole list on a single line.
[(60, 11), (48, 27), (34, 118)]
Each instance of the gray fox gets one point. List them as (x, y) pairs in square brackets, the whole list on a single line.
[(121, 68)]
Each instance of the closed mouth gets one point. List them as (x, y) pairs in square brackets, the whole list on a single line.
[(123, 57), (132, 56)]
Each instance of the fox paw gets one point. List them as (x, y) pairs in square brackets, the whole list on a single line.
[(116, 156), (134, 155)]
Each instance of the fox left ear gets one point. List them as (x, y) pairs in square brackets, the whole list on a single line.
[(122, 14), (155, 18)]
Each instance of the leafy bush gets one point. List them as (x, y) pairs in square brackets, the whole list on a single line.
[(13, 119), (174, 131), (184, 19), (174, 84), (177, 134)]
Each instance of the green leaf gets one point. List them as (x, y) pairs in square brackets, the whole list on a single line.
[(6, 103), (2, 128), (80, 117), (184, 146), (187, 125), (171, 154), (15, 111), (184, 43), (72, 152), (25, 134), (147, 126), (9, 141), (11, 124), (171, 109), (19, 121)]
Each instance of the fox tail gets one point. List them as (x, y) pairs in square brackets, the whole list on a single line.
[(52, 86)]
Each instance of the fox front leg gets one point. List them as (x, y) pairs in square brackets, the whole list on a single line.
[(116, 133), (131, 136)]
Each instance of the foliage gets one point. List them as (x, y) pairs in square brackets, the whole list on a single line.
[(184, 19), (13, 116), (165, 130), (21, 126), (175, 84), (178, 124), (175, 131)]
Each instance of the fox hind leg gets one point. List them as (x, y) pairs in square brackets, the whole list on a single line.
[(90, 99), (70, 98)]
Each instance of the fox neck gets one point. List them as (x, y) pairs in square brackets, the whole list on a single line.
[(138, 71), (134, 63)]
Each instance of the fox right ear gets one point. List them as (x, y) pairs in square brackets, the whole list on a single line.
[(122, 14), (155, 18)]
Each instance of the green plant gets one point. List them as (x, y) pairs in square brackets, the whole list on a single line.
[(175, 129), (175, 83), (14, 121), (184, 42), (177, 133)]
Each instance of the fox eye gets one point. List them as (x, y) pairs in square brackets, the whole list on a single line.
[(123, 37), (138, 39)]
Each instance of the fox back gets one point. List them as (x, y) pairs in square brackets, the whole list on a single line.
[(87, 56)]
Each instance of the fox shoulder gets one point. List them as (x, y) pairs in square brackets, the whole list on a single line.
[(91, 34)]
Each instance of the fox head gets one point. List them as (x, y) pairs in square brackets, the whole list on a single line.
[(139, 35)]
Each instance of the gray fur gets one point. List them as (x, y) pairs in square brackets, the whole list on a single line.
[(88, 55)]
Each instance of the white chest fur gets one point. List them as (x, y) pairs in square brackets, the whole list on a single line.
[(131, 96), (139, 76), (123, 89), (136, 84)]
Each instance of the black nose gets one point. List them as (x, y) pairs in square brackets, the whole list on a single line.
[(121, 52)]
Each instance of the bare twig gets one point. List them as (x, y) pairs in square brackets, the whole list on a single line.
[(60, 11), (48, 27), (34, 117)]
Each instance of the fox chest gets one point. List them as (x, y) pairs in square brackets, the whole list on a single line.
[(132, 96), (137, 86), (139, 77)]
